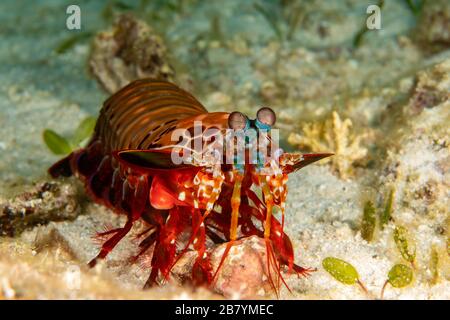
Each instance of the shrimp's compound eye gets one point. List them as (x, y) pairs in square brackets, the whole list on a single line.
[(266, 116), (237, 120)]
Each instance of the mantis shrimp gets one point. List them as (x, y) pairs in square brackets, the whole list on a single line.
[(157, 155)]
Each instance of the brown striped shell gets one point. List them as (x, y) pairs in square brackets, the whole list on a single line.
[(143, 115)]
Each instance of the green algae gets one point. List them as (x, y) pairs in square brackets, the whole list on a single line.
[(341, 270), (404, 245), (386, 214), (369, 221), (60, 145)]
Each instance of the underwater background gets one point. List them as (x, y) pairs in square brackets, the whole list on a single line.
[(378, 99)]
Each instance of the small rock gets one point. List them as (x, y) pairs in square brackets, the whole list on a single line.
[(243, 274), (130, 51), (434, 25)]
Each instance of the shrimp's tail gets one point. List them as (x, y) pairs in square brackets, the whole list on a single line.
[(61, 168)]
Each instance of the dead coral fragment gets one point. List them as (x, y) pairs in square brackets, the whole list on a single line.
[(48, 201), (432, 88), (434, 25), (333, 135), (130, 51)]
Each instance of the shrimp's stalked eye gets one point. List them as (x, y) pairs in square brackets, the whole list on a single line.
[(238, 121), (265, 118)]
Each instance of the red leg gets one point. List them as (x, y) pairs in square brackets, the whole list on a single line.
[(112, 242), (135, 198), (202, 269), (166, 245)]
